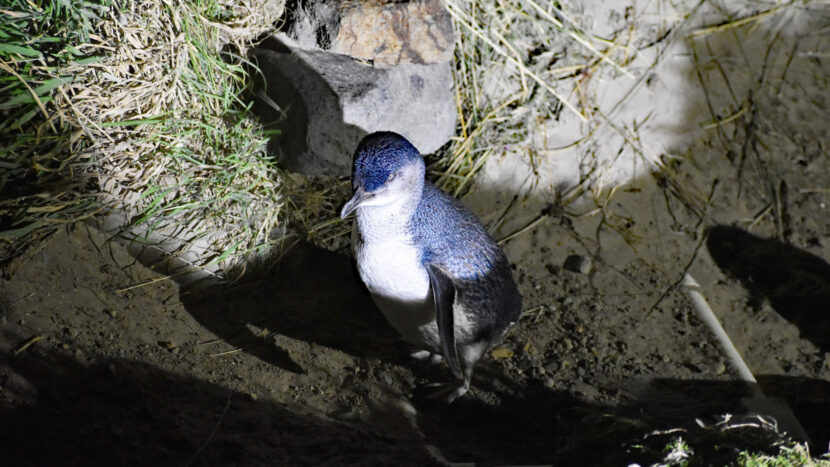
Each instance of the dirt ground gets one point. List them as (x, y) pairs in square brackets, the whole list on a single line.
[(104, 361), (295, 365)]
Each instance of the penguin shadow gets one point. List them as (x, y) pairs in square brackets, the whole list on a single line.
[(307, 293), (796, 283), (57, 411)]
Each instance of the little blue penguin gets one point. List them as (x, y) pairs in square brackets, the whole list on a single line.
[(431, 268)]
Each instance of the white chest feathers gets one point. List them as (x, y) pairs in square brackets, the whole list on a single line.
[(391, 268), (387, 259)]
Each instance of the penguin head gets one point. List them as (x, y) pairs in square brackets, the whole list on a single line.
[(387, 169)]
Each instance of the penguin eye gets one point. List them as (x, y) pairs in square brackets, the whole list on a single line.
[(392, 177)]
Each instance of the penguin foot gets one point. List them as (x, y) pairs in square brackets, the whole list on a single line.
[(450, 392), (458, 392), (420, 355), (427, 356)]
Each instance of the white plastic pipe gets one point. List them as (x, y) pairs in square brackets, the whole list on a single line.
[(758, 403), (705, 313)]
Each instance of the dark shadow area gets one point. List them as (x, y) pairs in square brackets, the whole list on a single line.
[(308, 293), (56, 411), (809, 399), (796, 283), (290, 120), (119, 412), (540, 426), (311, 135)]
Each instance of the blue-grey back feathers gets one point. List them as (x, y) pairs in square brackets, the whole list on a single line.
[(452, 238)]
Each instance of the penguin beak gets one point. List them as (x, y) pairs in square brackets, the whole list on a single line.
[(359, 197)]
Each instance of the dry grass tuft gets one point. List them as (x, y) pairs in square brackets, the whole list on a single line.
[(137, 107), (518, 63)]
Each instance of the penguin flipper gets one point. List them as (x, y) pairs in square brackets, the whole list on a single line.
[(443, 292)]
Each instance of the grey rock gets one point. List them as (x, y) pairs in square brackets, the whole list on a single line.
[(383, 31), (327, 102)]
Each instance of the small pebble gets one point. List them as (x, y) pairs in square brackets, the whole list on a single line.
[(501, 353), (578, 264), (524, 364)]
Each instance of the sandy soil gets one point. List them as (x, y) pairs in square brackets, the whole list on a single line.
[(105, 361)]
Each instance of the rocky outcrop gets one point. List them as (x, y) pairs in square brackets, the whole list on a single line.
[(387, 32), (346, 69)]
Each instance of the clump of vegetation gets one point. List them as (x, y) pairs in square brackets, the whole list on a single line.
[(42, 183), (797, 454), (136, 109), (747, 441)]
